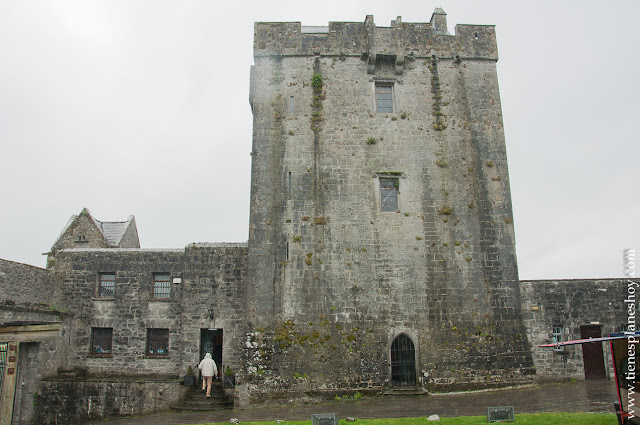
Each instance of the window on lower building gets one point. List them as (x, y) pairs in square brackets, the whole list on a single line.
[(389, 194), (384, 98), (157, 342), (106, 284), (101, 339), (161, 285), (556, 337)]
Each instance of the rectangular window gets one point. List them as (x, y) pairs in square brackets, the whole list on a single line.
[(157, 342), (106, 285), (556, 337), (292, 104), (161, 285), (384, 98), (389, 195), (101, 339)]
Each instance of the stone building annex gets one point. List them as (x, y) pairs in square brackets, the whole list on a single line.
[(381, 253)]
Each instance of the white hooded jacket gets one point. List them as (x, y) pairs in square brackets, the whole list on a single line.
[(207, 366)]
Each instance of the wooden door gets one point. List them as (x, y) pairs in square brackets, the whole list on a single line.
[(592, 353)]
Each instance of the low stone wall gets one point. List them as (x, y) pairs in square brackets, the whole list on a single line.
[(22, 283), (72, 400), (569, 304)]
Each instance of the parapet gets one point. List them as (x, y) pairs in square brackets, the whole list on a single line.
[(366, 40)]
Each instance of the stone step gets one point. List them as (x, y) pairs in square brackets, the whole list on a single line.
[(203, 397), (201, 394), (196, 400), (207, 402), (210, 408)]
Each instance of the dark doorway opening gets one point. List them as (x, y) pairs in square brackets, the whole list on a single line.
[(592, 354), (4, 349), (211, 342), (403, 362)]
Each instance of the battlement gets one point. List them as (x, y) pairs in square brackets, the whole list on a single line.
[(366, 40)]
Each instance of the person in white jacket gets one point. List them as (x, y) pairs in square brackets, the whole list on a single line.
[(208, 370)]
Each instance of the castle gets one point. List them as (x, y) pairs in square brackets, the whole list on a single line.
[(381, 253)]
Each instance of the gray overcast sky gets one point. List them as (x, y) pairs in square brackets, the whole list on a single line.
[(141, 108)]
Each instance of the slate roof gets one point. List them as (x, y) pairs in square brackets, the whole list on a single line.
[(113, 230)]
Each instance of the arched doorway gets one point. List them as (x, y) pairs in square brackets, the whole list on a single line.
[(403, 362)]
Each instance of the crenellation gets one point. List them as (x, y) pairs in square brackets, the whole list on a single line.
[(400, 41)]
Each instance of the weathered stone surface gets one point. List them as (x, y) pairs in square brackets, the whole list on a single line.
[(211, 294), (312, 306), (570, 304), (23, 285), (67, 402), (442, 269)]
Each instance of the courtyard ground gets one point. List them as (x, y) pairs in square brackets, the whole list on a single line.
[(581, 396)]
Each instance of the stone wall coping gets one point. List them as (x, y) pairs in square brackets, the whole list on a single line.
[(170, 378), (31, 307), (180, 250), (174, 250), (587, 280), (218, 245), (3, 260)]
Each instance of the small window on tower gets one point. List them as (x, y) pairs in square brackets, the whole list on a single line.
[(292, 104), (389, 194), (384, 98)]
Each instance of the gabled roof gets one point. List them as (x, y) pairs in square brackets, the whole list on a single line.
[(116, 234)]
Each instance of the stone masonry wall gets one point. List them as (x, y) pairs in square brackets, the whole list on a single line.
[(25, 285), (569, 304), (213, 277), (28, 297), (67, 402), (442, 269), (211, 294)]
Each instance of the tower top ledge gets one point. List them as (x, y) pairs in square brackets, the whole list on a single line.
[(365, 38)]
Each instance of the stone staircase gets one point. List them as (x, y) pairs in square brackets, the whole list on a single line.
[(196, 400)]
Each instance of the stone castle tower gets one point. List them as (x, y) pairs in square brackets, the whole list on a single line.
[(381, 246)]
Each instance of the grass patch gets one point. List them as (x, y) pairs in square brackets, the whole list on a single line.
[(524, 418)]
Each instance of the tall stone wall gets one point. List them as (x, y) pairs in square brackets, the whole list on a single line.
[(325, 261), (569, 304)]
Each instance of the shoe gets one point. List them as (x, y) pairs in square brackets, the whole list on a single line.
[(208, 396)]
